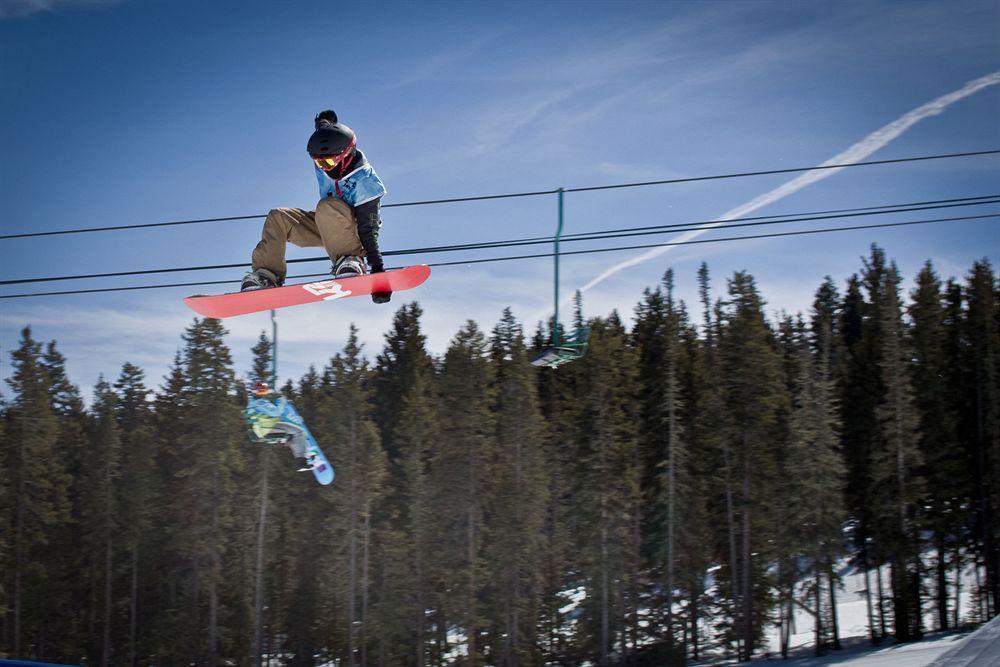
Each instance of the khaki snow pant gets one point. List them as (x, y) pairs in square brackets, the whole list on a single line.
[(331, 226)]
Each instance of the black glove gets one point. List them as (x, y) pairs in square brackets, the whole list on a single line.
[(380, 297)]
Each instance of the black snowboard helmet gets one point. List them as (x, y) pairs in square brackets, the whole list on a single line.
[(333, 145)]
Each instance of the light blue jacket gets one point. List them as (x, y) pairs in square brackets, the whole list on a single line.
[(358, 187)]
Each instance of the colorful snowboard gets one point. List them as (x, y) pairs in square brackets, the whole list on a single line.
[(242, 303), (274, 420)]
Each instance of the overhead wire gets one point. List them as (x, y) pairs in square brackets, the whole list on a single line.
[(801, 232), (543, 255), (536, 193), (583, 236), (714, 224)]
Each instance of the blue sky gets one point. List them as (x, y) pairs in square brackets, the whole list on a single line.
[(132, 112)]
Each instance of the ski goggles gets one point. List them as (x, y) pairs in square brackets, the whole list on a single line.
[(327, 162)]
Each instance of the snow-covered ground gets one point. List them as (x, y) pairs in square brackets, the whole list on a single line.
[(858, 652), (852, 617)]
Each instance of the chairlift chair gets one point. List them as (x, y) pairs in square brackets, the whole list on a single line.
[(570, 347)]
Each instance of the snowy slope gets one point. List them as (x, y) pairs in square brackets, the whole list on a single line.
[(852, 615), (859, 653), (980, 649)]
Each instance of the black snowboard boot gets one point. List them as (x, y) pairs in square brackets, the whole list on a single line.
[(348, 266), (259, 279)]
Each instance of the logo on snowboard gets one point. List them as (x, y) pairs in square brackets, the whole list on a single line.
[(328, 289)]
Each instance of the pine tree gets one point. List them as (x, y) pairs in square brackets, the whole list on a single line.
[(710, 430), (685, 561), (407, 581), (559, 392), (403, 358), (671, 504), (462, 472), (100, 521), (206, 458), (790, 543), (814, 470), (694, 480), (69, 607), (755, 397), (861, 387), (560, 565), (40, 508), (514, 546), (650, 340), (896, 487), (5, 514), (829, 360), (404, 410), (939, 446), (956, 389), (346, 418), (606, 491), (138, 492), (983, 419)]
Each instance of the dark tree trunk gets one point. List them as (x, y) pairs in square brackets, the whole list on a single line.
[(694, 624), (106, 620), (258, 603), (747, 588), (605, 623), (834, 624), (992, 588), (875, 639), (881, 600), (958, 588), (214, 574), (17, 582), (733, 562), (820, 643), (133, 620), (942, 584), (365, 557)]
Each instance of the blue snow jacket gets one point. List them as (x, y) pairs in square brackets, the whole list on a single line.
[(362, 190)]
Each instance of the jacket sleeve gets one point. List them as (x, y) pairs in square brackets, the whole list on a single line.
[(369, 222)]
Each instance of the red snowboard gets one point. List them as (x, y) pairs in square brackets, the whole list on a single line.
[(241, 303)]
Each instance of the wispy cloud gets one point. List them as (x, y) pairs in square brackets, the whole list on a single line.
[(436, 65), (498, 127), (556, 94), (20, 8), (855, 153)]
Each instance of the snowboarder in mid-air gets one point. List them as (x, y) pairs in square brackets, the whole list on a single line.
[(271, 419), (345, 223)]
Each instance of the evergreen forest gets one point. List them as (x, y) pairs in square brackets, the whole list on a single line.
[(702, 472)]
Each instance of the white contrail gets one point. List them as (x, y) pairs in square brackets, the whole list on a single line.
[(855, 153)]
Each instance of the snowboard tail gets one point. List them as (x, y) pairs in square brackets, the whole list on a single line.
[(321, 468)]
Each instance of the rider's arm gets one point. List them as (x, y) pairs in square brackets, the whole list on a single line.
[(367, 216)]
